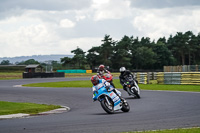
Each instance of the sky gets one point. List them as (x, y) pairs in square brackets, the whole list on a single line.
[(44, 27)]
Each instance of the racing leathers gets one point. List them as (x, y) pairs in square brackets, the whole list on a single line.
[(108, 86), (123, 78), (100, 74)]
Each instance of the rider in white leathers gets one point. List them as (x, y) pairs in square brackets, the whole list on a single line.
[(98, 83)]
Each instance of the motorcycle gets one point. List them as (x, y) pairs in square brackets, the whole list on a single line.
[(108, 77), (132, 87), (110, 102)]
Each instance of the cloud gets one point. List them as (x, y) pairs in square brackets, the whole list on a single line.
[(149, 4), (50, 5), (157, 23), (66, 23), (111, 9), (85, 43), (18, 7), (28, 40), (39, 39), (56, 27), (31, 35)]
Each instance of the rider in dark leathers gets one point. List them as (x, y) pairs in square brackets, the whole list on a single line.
[(125, 74)]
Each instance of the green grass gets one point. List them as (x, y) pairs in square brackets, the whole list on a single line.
[(87, 83), (189, 130), (195, 88), (27, 108), (10, 75), (18, 75), (86, 74)]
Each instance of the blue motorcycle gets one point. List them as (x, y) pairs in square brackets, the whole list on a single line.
[(110, 102)]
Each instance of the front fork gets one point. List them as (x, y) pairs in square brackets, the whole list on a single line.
[(108, 101), (138, 89)]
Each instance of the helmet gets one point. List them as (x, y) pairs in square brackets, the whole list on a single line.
[(95, 80), (122, 69), (101, 67)]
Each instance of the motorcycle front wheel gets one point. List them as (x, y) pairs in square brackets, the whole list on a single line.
[(109, 108), (125, 107), (136, 92)]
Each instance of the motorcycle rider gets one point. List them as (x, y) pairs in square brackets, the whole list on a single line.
[(100, 72), (98, 83), (124, 74)]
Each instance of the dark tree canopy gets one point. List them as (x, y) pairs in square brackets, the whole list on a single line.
[(135, 53)]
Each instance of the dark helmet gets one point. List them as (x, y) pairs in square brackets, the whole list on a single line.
[(101, 67), (95, 80)]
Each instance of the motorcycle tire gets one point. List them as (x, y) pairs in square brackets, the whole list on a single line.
[(125, 107), (136, 93), (108, 108)]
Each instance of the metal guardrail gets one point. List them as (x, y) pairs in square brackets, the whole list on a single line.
[(141, 78), (75, 71), (43, 75), (184, 68), (178, 78)]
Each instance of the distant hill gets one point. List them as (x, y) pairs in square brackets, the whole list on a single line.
[(40, 58)]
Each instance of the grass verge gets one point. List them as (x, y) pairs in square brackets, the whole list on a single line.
[(27, 108), (11, 75), (18, 75), (87, 83), (187, 130)]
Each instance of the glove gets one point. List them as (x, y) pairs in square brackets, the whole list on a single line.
[(95, 91), (125, 84), (107, 87)]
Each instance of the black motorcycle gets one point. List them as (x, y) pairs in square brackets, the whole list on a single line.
[(132, 87)]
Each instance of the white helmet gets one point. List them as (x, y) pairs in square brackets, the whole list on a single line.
[(122, 69)]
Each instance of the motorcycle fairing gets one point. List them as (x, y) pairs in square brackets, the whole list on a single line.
[(103, 91)]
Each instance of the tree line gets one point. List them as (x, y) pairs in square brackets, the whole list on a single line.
[(135, 53)]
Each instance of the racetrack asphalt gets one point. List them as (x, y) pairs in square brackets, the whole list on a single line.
[(155, 110)]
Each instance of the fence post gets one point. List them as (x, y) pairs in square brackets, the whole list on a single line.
[(148, 77)]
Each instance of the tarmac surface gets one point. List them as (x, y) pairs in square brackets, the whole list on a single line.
[(155, 110)]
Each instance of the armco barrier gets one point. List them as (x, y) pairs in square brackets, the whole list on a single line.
[(141, 78), (178, 78), (160, 78), (190, 78), (43, 75), (75, 71), (88, 71), (184, 68), (72, 71)]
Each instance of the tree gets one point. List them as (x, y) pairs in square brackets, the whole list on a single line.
[(93, 56), (183, 47), (144, 58), (28, 62), (196, 55), (65, 61), (79, 57), (178, 46), (122, 55), (163, 56), (106, 51), (192, 43), (5, 62)]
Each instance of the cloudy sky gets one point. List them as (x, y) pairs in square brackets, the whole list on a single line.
[(41, 27)]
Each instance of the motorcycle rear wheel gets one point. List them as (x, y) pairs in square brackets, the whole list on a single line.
[(108, 108), (134, 92)]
